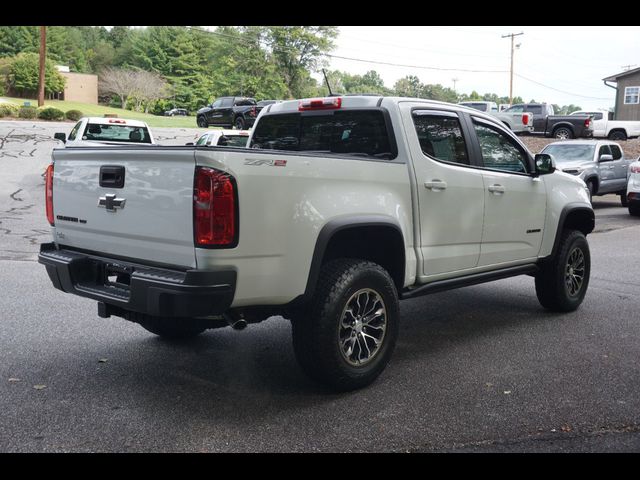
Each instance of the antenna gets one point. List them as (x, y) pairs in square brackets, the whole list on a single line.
[(327, 82)]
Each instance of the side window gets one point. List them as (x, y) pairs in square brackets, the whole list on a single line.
[(227, 102), (202, 139), (217, 103), (597, 116), (604, 150), (440, 137), (74, 131), (516, 109), (535, 109), (617, 153), (499, 152)]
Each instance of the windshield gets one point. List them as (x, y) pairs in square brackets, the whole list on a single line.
[(116, 133), (570, 153)]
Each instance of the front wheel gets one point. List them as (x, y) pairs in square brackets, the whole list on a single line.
[(562, 281), (346, 336), (563, 133), (202, 122)]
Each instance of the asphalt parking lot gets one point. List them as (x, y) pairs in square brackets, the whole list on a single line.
[(480, 369)]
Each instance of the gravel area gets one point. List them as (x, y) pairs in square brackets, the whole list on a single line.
[(631, 148)]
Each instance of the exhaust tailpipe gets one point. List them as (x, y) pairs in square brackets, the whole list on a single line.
[(236, 320)]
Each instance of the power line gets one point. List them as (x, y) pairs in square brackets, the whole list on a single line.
[(407, 47), (413, 66), (561, 91)]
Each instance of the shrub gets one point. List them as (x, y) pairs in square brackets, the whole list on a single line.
[(28, 112), (74, 115), (9, 110), (51, 113)]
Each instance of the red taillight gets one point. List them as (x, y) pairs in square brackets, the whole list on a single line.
[(215, 208), (253, 111), (587, 123), (634, 168), (330, 103), (525, 119), (48, 193)]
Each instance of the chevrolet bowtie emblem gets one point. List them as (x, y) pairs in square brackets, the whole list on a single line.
[(110, 202)]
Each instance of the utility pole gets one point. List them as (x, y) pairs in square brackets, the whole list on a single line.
[(511, 80), (43, 57), (454, 80)]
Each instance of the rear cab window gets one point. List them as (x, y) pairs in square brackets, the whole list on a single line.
[(111, 132), (350, 132)]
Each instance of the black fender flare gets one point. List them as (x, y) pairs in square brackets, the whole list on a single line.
[(569, 211), (328, 231)]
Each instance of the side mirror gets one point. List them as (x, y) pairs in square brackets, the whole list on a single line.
[(545, 164), (190, 143), (60, 136), (606, 157)]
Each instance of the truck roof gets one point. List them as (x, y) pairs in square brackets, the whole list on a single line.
[(120, 121)]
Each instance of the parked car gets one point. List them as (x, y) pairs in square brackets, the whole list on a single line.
[(340, 208), (633, 188), (223, 138), (558, 126), (233, 112), (611, 129), (516, 121), (94, 131), (600, 163), (176, 111)]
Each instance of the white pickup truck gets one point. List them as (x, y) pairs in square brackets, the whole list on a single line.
[(97, 131), (518, 122), (611, 129), (339, 208)]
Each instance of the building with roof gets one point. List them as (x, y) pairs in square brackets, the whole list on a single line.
[(627, 88)]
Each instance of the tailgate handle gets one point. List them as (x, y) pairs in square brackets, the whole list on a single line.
[(112, 176)]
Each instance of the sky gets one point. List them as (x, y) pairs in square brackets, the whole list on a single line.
[(553, 64)]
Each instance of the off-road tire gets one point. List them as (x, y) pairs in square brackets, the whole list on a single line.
[(553, 287), (316, 329), (239, 123), (563, 133)]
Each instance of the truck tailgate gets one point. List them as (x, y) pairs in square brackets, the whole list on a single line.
[(126, 202)]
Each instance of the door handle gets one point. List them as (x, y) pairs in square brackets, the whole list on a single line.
[(435, 185), (496, 189)]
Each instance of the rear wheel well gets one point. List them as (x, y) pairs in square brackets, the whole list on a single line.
[(380, 244)]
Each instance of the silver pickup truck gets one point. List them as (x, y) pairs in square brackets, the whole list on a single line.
[(600, 164), (518, 122)]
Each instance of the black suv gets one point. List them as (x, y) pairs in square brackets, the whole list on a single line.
[(238, 112)]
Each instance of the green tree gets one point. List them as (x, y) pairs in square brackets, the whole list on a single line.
[(298, 50), (15, 40), (409, 86), (24, 73)]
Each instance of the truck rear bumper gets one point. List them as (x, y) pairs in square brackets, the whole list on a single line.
[(139, 288)]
